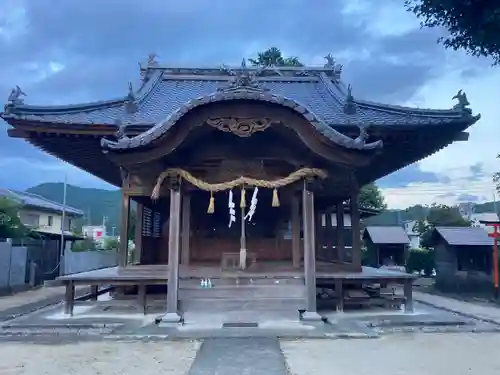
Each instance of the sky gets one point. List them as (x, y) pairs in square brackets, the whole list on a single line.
[(71, 51)]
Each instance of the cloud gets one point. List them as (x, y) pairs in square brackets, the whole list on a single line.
[(80, 51), (407, 176), (469, 198)]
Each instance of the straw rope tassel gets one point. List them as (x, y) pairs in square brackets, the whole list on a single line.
[(211, 204), (243, 201), (276, 200)]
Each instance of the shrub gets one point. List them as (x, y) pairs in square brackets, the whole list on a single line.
[(420, 260)]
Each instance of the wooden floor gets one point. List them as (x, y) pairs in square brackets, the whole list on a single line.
[(159, 273)]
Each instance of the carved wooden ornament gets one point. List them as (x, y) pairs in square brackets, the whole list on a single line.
[(242, 127)]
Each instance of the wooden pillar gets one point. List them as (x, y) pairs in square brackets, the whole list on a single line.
[(339, 214), (172, 315), (125, 216), (308, 215), (295, 231), (356, 229), (186, 228), (138, 233)]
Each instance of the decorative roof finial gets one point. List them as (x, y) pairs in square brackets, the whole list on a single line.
[(130, 104), (16, 95), (152, 62), (462, 101), (330, 61), (349, 104), (242, 79), (361, 139), (121, 130)]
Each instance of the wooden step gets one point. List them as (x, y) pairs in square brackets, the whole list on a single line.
[(243, 292), (224, 305)]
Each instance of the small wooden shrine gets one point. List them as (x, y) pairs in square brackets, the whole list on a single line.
[(232, 167)]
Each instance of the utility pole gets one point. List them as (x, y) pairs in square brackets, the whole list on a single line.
[(63, 219)]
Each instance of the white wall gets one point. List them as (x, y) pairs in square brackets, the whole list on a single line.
[(43, 221)]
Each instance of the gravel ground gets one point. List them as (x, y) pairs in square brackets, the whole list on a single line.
[(429, 354), (96, 358)]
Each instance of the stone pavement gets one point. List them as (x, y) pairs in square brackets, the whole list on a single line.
[(486, 313), (230, 356)]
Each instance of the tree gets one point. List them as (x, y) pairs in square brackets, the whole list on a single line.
[(10, 223), (474, 25), (439, 215), (87, 244), (274, 57), (370, 196), (111, 243)]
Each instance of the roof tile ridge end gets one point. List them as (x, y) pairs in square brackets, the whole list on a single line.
[(148, 87), (327, 82)]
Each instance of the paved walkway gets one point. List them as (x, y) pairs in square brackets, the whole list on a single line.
[(473, 310), (33, 299), (248, 356)]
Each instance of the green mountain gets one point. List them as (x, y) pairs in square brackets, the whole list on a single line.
[(100, 203)]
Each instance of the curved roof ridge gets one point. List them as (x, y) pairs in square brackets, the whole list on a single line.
[(327, 82), (389, 108), (148, 87), (163, 126), (143, 91), (394, 108)]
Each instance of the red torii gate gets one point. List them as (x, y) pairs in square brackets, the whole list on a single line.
[(496, 236)]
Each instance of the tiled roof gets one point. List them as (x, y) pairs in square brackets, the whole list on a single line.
[(37, 201), (460, 236), (387, 235), (164, 90)]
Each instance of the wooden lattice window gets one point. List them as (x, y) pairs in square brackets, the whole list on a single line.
[(147, 222)]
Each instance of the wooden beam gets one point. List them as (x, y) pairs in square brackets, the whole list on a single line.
[(186, 228), (172, 315), (138, 233), (296, 257), (125, 216), (356, 229), (339, 213), (308, 215)]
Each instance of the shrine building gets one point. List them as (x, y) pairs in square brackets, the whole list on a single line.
[(239, 175)]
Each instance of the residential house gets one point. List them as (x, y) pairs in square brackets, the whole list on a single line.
[(478, 220), (43, 215), (96, 232)]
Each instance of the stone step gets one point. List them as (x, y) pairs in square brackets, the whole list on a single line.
[(243, 292), (224, 305)]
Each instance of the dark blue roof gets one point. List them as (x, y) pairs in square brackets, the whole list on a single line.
[(164, 90), (464, 236), (37, 201), (387, 235)]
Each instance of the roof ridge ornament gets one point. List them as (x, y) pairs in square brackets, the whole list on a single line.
[(121, 131), (130, 101), (349, 104), (363, 136), (243, 79), (463, 102), (152, 60), (331, 63), (15, 96)]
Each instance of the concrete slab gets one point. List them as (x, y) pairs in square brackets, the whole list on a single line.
[(249, 356)]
